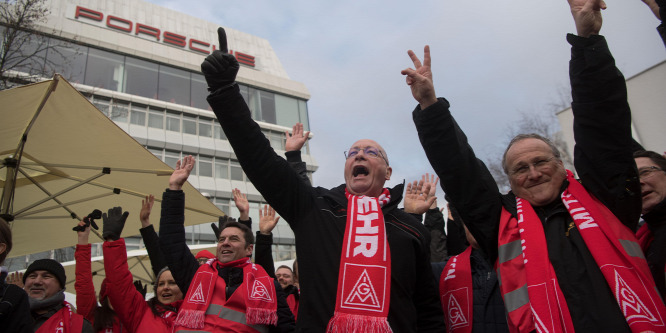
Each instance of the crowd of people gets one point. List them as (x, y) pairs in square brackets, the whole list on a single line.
[(558, 253)]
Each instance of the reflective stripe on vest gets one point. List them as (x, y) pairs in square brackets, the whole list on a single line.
[(632, 248), (517, 298), (509, 251), (231, 315)]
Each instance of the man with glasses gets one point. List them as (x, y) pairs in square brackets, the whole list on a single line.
[(364, 263), (652, 235), (567, 257)]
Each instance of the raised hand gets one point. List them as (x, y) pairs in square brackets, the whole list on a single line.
[(220, 222), (15, 278), (146, 208), (296, 140), (430, 179), (82, 231), (242, 204), (181, 173), (587, 16), (140, 287), (89, 221), (416, 197), (267, 220), (420, 79), (220, 68), (113, 223)]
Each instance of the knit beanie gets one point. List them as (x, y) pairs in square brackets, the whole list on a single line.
[(50, 266)]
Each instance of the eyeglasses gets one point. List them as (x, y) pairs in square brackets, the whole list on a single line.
[(647, 172), (524, 168), (369, 151)]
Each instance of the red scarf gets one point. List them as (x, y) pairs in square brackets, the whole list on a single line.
[(645, 237), (260, 301), (63, 321), (455, 290), (364, 279), (529, 286)]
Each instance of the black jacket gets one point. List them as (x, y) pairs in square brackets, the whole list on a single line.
[(434, 222), (184, 266), (318, 218), (656, 252), (603, 159), (14, 308)]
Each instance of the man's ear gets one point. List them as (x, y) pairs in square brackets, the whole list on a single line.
[(389, 171), (250, 248), (3, 248)]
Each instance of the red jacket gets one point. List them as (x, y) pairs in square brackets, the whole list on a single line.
[(86, 298), (130, 306)]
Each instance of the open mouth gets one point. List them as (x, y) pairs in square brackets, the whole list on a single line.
[(166, 295), (360, 170), (646, 193)]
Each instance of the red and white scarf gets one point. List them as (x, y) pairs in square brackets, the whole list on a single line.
[(259, 310), (614, 248), (456, 292), (364, 280), (63, 321)]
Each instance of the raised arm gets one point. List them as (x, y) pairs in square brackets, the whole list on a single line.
[(293, 145), (178, 257), (602, 118), (86, 300), (464, 178), (278, 183), (150, 237), (263, 251)]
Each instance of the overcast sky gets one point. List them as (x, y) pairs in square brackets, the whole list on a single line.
[(492, 60)]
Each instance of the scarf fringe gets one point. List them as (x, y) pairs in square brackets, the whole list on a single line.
[(344, 322), (258, 316), (191, 319)]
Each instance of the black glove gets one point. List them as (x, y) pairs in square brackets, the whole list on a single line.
[(220, 68), (89, 220), (113, 223), (220, 222), (140, 287)]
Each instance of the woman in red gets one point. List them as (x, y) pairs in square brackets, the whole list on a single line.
[(136, 314)]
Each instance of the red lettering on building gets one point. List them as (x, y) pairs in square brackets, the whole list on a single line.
[(88, 13), (175, 39), (148, 30), (198, 42), (170, 38), (127, 28), (244, 58)]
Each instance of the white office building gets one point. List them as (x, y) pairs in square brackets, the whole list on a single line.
[(139, 63)]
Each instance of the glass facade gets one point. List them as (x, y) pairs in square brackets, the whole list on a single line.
[(127, 74)]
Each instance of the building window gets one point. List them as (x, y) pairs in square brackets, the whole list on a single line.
[(199, 92), (236, 172), (156, 118), (205, 166), (138, 115), (104, 70), (102, 104), (174, 85), (223, 205), (189, 125), (140, 77), (68, 59), (173, 122), (205, 127), (268, 107), (171, 157), (156, 151), (286, 110), (119, 111), (221, 168), (218, 132)]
